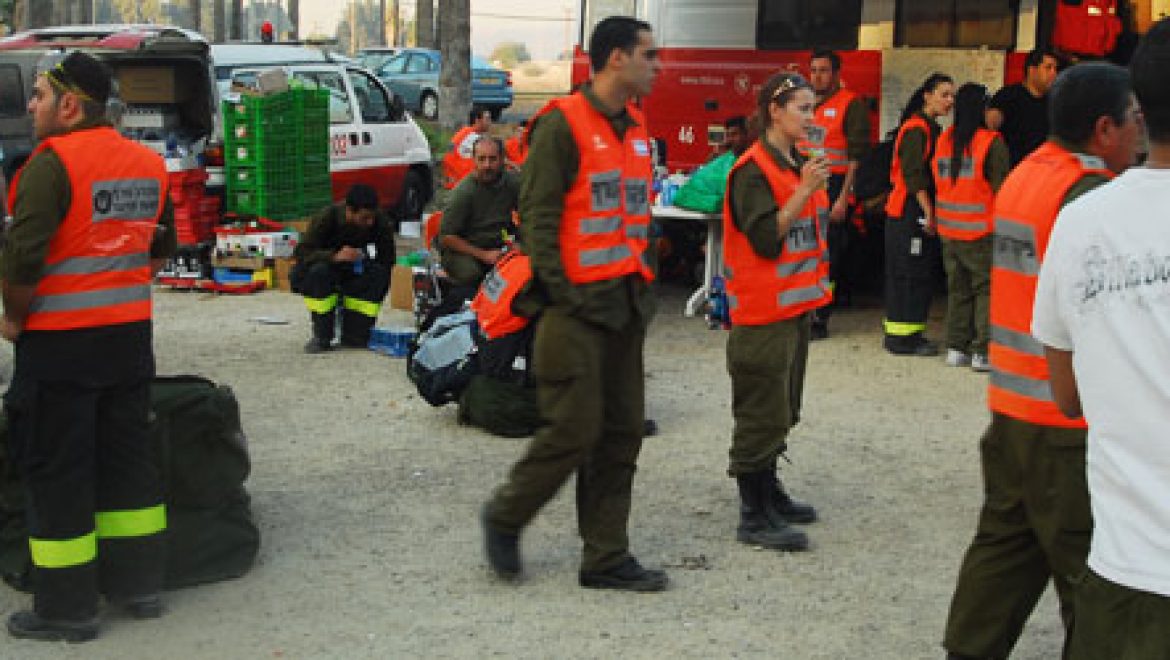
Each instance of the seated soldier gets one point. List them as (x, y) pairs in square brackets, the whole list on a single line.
[(478, 217), (344, 259)]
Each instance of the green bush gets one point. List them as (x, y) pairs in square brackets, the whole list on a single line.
[(438, 139)]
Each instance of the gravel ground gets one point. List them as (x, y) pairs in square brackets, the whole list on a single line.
[(367, 498)]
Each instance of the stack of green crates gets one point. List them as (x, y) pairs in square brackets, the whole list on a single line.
[(277, 154)]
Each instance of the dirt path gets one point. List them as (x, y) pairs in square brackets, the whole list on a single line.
[(368, 497)]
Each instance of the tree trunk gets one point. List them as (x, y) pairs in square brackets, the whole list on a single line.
[(294, 17), (424, 26), (38, 13), (381, 39), (455, 78), (195, 15), (237, 20), (218, 21)]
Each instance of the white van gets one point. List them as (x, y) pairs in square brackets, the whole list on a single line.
[(373, 140)]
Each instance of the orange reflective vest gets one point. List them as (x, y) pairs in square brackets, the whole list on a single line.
[(97, 271), (493, 302), (516, 149), (1088, 27), (828, 131), (762, 291), (458, 162), (963, 204), (605, 225), (1025, 211), (897, 200)]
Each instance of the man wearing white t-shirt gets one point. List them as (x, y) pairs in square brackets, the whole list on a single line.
[(1103, 312)]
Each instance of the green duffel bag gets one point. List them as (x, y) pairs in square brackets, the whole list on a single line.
[(500, 407), (203, 460)]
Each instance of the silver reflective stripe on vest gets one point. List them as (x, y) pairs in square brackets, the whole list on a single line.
[(637, 196), (638, 231), (1031, 388), (605, 191), (68, 302), (494, 285), (92, 265), (966, 168), (601, 225), (1017, 341), (961, 208), (1015, 247), (962, 225), (125, 199), (801, 295), (796, 267), (605, 256)]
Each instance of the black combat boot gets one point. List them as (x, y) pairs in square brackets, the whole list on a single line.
[(793, 511), (323, 328), (756, 527), (501, 548), (27, 624)]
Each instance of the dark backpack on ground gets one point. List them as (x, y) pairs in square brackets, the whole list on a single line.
[(203, 461), (443, 359)]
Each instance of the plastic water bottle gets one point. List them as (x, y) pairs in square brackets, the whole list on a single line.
[(719, 311)]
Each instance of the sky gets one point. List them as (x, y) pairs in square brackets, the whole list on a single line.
[(492, 22)]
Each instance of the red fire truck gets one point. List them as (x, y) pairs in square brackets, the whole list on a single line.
[(717, 53)]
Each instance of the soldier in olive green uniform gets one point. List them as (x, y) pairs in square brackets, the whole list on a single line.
[(767, 361), (588, 350), (479, 216)]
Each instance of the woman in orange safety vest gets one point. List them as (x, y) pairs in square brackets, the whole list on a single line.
[(776, 266), (911, 248), (970, 163)]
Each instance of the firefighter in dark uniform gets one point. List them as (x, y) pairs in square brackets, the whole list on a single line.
[(1035, 524), (912, 250), (776, 261), (584, 204), (344, 261), (92, 225), (841, 131)]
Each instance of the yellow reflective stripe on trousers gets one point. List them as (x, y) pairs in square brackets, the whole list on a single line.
[(131, 524), (63, 553), (898, 329), (321, 305), (363, 307)]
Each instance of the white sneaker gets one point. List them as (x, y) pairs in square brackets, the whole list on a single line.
[(958, 358), (979, 362)]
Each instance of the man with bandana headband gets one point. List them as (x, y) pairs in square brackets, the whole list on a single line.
[(92, 224)]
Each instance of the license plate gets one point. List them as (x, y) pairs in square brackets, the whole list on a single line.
[(487, 81)]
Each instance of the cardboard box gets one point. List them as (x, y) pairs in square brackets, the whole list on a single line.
[(282, 272), (402, 288), (239, 263), (299, 226), (149, 84)]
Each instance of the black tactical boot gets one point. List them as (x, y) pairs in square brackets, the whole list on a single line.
[(29, 625), (323, 329), (141, 607), (793, 511), (502, 549), (756, 527), (626, 576)]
